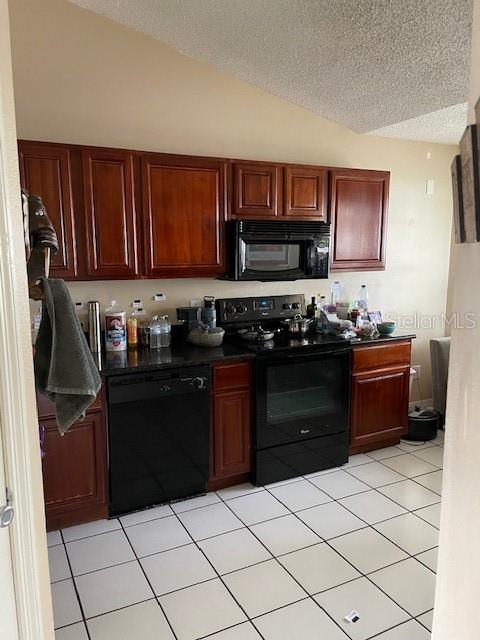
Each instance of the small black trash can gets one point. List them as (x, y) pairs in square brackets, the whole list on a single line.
[(423, 424)]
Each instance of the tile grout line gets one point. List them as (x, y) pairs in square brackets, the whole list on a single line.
[(80, 604)]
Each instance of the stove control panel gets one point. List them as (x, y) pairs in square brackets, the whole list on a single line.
[(236, 310)]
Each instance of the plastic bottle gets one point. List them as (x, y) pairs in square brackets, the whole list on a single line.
[(337, 292), (115, 329), (160, 332), (132, 334), (363, 297)]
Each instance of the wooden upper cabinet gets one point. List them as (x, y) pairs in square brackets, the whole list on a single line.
[(45, 171), (184, 214), (306, 190), (358, 212), (256, 190), (110, 213)]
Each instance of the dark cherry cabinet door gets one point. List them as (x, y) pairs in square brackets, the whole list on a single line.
[(45, 171), (74, 472), (110, 211), (358, 213), (379, 406), (184, 215), (231, 433), (306, 190), (256, 190), (231, 439)]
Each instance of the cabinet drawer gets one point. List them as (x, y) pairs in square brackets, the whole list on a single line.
[(234, 375), (381, 355)]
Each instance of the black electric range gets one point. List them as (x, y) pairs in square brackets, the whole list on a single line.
[(301, 390)]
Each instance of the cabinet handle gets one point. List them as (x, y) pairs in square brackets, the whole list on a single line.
[(41, 430)]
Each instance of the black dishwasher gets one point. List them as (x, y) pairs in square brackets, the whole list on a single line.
[(158, 433)]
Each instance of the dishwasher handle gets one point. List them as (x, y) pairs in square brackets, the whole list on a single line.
[(135, 388)]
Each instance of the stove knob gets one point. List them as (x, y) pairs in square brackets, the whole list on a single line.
[(241, 308), (287, 305), (230, 308), (296, 305), (199, 383)]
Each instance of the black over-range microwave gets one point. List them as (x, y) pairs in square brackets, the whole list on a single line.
[(269, 250)]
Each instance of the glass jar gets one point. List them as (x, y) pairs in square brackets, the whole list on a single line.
[(160, 332)]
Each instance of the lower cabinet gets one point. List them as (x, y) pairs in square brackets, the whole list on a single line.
[(231, 441), (380, 393), (74, 471)]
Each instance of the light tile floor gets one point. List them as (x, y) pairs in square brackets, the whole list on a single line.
[(281, 562)]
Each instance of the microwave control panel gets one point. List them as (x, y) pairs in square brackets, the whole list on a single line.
[(260, 308)]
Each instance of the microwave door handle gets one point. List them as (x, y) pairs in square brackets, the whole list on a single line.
[(310, 257)]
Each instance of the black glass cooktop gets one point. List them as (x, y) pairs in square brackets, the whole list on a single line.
[(287, 342)]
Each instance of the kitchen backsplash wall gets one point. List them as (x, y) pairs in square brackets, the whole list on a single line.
[(87, 80)]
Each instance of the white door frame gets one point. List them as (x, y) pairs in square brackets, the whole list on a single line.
[(19, 422)]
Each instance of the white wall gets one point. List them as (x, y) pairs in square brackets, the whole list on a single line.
[(458, 584), (84, 79)]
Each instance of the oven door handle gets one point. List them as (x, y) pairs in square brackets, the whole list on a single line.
[(331, 352)]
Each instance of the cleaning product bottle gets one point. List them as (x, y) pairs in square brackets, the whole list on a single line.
[(115, 329), (132, 334)]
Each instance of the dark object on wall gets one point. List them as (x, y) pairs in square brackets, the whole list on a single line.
[(423, 424), (458, 213), (470, 184)]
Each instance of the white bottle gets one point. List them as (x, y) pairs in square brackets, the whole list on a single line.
[(363, 297)]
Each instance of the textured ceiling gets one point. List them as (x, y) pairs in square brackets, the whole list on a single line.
[(445, 126), (366, 64)]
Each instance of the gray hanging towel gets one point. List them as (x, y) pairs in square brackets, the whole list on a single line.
[(65, 371)]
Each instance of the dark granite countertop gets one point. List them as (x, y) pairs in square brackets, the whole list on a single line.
[(178, 355), (182, 354)]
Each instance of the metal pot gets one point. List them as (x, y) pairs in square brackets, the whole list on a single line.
[(256, 334), (298, 325)]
